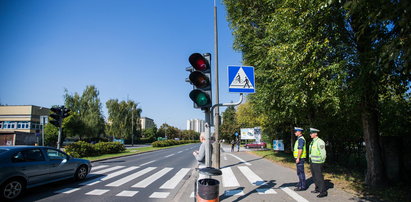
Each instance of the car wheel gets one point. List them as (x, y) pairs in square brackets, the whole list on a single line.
[(246, 147), (12, 189), (81, 173), (262, 147)]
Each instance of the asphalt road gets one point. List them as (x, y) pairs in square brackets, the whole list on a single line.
[(150, 176)]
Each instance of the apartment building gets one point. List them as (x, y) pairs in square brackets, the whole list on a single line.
[(146, 123), (21, 125), (196, 125)]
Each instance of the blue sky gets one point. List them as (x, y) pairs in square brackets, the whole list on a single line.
[(131, 49)]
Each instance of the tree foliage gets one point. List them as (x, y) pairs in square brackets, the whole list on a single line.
[(123, 118), (87, 120), (341, 66)]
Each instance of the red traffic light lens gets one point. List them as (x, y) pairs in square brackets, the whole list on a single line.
[(198, 62)]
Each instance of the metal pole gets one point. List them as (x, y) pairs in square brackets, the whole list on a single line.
[(42, 131), (60, 130), (207, 136), (132, 128), (217, 100)]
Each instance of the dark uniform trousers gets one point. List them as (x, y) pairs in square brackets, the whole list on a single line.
[(301, 174), (316, 170)]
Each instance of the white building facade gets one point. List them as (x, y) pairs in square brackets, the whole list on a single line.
[(196, 125), (146, 123)]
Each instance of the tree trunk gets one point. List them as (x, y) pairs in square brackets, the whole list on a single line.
[(375, 167)]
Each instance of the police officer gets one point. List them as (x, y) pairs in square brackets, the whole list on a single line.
[(317, 159), (300, 153)]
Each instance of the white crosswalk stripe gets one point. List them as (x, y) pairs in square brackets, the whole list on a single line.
[(97, 192), (130, 177), (229, 179), (107, 170), (172, 183), (251, 176), (98, 167), (152, 178), (127, 193)]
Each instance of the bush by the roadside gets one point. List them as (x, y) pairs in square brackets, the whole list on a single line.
[(109, 147), (81, 149), (166, 143)]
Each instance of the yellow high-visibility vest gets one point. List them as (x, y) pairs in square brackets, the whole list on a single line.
[(304, 154)]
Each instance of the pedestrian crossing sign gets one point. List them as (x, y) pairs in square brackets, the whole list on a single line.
[(241, 79)]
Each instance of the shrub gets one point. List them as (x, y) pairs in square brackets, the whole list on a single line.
[(166, 143), (81, 149), (109, 147)]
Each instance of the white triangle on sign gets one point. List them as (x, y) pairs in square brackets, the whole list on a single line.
[(241, 80)]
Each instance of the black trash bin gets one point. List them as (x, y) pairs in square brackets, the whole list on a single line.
[(208, 190)]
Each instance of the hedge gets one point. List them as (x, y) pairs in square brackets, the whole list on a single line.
[(166, 143), (81, 149)]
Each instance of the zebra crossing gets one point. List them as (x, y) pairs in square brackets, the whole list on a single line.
[(141, 177), (146, 180)]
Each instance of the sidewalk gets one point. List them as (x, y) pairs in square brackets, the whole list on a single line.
[(247, 177)]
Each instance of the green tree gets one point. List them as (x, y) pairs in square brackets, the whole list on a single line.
[(327, 64), (190, 135), (88, 120), (122, 118), (229, 125)]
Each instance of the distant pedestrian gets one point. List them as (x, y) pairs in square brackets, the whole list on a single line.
[(232, 145), (317, 159), (238, 145), (300, 153)]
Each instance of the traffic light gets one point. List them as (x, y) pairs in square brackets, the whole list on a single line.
[(65, 112), (200, 77), (59, 113), (56, 116)]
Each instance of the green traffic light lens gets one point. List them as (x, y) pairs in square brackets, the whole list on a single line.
[(201, 99)]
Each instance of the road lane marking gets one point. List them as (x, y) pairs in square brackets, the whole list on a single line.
[(234, 192), (229, 179), (293, 194), (152, 178), (251, 176), (147, 163), (127, 193), (266, 191), (109, 176), (97, 192), (245, 162), (108, 170), (130, 177), (66, 190), (98, 167), (172, 183), (169, 155), (159, 195)]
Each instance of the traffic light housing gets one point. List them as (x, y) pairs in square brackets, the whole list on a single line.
[(200, 77), (56, 116)]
